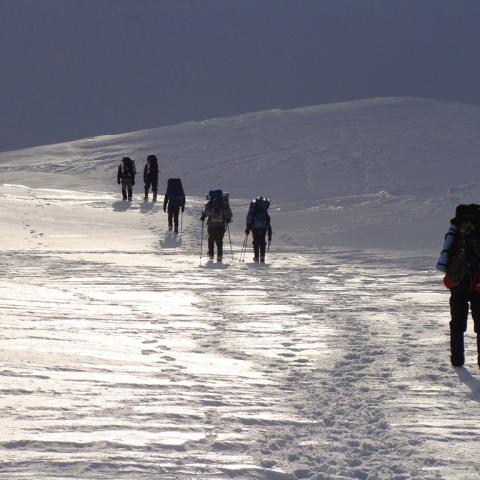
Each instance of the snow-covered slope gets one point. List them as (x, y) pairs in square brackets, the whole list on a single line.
[(373, 173), (126, 357)]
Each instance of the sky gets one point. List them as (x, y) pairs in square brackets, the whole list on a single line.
[(78, 68)]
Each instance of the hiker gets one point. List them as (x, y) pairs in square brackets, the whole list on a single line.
[(218, 214), (150, 176), (258, 222), (463, 277), (126, 176), (173, 201)]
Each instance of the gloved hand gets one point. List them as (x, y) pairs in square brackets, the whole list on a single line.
[(118, 181), (133, 183), (164, 208), (229, 220), (183, 208), (247, 231)]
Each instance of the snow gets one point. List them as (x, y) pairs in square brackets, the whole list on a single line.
[(125, 355)]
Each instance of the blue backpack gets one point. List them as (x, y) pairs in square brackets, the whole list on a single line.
[(258, 216)]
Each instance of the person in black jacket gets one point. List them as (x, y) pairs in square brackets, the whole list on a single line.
[(258, 222), (173, 201), (463, 279), (218, 214), (150, 176), (126, 177)]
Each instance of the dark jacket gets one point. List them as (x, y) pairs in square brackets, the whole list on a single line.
[(174, 196)]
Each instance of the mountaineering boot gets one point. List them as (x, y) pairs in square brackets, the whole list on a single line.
[(255, 259), (210, 257), (170, 227), (457, 348), (154, 197), (262, 259), (219, 259)]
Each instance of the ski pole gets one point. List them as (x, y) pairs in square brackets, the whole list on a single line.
[(230, 239), (181, 222), (244, 249)]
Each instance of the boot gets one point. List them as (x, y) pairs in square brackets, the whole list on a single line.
[(457, 348)]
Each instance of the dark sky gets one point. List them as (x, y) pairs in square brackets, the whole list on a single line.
[(77, 68)]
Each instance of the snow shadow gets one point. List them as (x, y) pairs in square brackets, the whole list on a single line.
[(146, 207), (121, 205), (214, 265), (171, 240), (256, 265), (468, 379)]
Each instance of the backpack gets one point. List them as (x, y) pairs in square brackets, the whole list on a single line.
[(128, 167), (151, 168), (465, 253), (258, 216), (175, 193), (217, 207)]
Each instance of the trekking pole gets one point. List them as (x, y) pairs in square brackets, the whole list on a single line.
[(244, 249), (230, 239), (201, 245), (181, 222)]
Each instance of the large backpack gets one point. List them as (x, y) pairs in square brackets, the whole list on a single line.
[(464, 256), (151, 168), (257, 216), (217, 207), (175, 193), (128, 167)]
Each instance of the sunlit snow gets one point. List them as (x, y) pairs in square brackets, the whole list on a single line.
[(127, 356)]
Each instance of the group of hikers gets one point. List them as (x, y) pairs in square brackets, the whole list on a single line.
[(216, 211), (174, 198), (460, 261)]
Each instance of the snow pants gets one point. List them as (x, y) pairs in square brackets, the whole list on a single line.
[(259, 242), (461, 299), (215, 237), (151, 182), (127, 189), (173, 217)]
